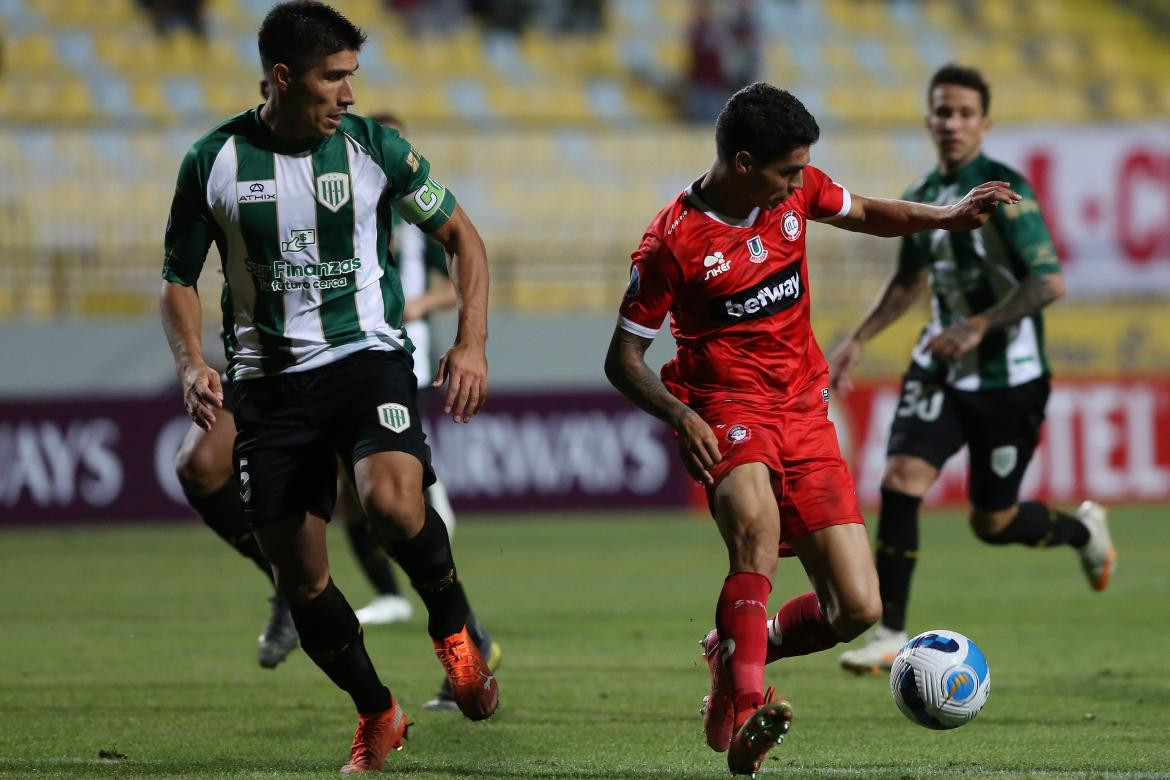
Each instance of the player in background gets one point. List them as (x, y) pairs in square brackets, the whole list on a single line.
[(978, 375), (296, 196), (747, 394), (212, 487)]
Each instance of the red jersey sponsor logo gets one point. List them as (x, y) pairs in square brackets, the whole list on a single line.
[(738, 433), (780, 291)]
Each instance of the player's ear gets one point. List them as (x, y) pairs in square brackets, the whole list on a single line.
[(744, 162), (281, 76)]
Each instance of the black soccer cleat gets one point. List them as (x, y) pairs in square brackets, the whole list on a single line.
[(280, 635)]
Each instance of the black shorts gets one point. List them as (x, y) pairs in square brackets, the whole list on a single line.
[(292, 427), (1001, 429), (229, 393)]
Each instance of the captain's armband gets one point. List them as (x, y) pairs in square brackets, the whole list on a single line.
[(429, 206)]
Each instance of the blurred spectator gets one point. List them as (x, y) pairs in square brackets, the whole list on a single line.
[(707, 83), (170, 15), (742, 58)]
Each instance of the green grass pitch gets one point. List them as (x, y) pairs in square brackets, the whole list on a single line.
[(140, 641)]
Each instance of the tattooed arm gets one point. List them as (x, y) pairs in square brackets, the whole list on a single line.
[(626, 369), (1033, 294)]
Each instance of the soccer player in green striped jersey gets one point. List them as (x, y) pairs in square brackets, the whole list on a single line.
[(297, 196), (978, 375)]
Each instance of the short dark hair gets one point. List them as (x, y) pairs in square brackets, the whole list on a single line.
[(764, 120), (300, 33), (963, 77)]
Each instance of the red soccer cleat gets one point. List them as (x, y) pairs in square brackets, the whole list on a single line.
[(472, 683), (376, 736), (760, 732), (718, 706)]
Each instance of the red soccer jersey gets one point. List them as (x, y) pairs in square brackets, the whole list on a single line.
[(737, 294)]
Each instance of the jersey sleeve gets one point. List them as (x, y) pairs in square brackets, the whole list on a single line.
[(1025, 231), (824, 198), (190, 226), (413, 194), (654, 279)]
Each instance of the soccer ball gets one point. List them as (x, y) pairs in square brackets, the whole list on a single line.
[(940, 679)]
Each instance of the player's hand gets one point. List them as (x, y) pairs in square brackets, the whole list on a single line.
[(202, 394), (845, 358), (958, 339), (698, 446), (465, 365), (975, 208)]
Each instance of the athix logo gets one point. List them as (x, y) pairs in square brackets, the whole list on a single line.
[(782, 290), (298, 239), (749, 603), (263, 191), (716, 264), (755, 245)]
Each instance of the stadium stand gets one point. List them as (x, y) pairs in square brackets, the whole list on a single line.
[(563, 144)]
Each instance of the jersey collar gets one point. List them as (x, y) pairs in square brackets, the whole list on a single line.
[(693, 197)]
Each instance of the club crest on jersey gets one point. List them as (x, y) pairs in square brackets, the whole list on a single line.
[(791, 225), (715, 265), (738, 433), (333, 190), (299, 239), (756, 247), (635, 283)]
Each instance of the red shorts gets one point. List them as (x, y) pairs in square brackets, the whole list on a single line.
[(812, 484)]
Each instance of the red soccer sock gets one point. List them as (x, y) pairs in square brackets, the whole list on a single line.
[(741, 617), (799, 628)]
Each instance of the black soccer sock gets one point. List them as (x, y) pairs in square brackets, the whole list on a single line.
[(1038, 526), (374, 562), (332, 637), (897, 552), (223, 512), (427, 560)]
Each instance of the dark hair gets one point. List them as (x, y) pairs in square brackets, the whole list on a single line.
[(962, 77), (300, 33), (766, 121)]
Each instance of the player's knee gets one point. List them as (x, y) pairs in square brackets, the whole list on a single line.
[(302, 589), (395, 507), (199, 471), (909, 476), (856, 615), (987, 524)]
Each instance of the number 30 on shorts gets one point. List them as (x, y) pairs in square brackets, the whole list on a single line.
[(915, 403)]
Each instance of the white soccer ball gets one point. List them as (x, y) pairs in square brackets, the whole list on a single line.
[(940, 679)]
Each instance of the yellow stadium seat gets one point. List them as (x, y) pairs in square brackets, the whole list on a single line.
[(30, 52)]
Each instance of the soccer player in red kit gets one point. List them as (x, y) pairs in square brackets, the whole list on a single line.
[(748, 392)]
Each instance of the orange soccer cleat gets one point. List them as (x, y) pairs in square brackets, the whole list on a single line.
[(760, 732), (718, 706), (472, 683), (376, 736)]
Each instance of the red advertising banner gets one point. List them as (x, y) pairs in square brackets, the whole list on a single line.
[(1108, 440)]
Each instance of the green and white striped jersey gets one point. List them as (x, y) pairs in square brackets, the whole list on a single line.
[(971, 270), (303, 236)]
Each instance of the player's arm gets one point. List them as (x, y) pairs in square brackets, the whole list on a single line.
[(888, 217), (465, 364), (1025, 236), (897, 295), (626, 369), (189, 234)]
